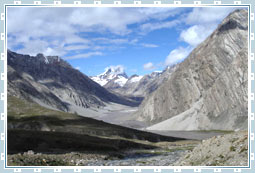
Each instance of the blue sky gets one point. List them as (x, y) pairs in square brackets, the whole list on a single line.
[(141, 40)]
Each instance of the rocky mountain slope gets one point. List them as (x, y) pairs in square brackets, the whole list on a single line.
[(147, 84), (140, 86), (226, 150), (53, 83), (208, 90)]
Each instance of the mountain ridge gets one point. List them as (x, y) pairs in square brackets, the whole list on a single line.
[(208, 86), (52, 82)]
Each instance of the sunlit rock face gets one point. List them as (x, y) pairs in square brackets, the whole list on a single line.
[(208, 90)]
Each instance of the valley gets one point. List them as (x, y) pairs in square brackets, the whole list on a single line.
[(37, 136), (58, 115)]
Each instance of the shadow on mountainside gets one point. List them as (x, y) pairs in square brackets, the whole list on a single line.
[(63, 142)]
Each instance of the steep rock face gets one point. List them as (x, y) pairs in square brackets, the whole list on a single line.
[(52, 82), (209, 89)]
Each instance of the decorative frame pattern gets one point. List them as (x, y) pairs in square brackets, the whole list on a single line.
[(123, 3)]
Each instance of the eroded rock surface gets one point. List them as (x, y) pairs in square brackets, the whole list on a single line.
[(208, 90), (226, 150)]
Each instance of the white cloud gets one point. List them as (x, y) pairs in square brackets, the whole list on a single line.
[(117, 69), (148, 27), (104, 40), (149, 66), (76, 47), (205, 15), (84, 55), (78, 68), (59, 26), (149, 45), (134, 41), (102, 19), (202, 22), (177, 55), (160, 13), (197, 33), (34, 47)]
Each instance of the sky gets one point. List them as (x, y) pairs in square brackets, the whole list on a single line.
[(139, 40)]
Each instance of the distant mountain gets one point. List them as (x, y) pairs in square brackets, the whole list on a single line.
[(140, 86), (116, 80), (208, 90), (52, 82), (113, 77)]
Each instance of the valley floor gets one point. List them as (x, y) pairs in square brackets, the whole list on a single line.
[(164, 154), (38, 136), (121, 115), (225, 150)]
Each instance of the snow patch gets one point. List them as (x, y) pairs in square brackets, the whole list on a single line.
[(135, 79), (46, 60), (121, 81), (100, 81)]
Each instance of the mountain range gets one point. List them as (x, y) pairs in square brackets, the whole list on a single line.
[(207, 91), (116, 80), (52, 82)]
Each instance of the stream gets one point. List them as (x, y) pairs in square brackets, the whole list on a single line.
[(138, 159)]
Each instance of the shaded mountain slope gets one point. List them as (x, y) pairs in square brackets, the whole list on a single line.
[(52, 82)]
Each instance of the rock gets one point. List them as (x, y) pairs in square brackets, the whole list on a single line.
[(208, 90), (30, 152), (222, 151)]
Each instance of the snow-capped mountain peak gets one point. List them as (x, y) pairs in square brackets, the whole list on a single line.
[(115, 73)]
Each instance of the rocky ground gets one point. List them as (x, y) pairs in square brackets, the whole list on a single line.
[(225, 150), (164, 153)]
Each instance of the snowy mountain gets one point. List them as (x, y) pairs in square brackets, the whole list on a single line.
[(115, 79), (113, 76), (140, 86), (134, 79)]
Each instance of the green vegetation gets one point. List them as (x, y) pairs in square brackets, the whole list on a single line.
[(19, 108), (232, 148), (215, 131), (52, 134)]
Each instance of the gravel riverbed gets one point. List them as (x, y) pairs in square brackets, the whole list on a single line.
[(166, 153)]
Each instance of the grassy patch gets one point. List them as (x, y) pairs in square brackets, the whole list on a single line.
[(215, 131)]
